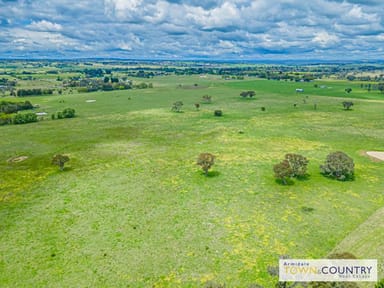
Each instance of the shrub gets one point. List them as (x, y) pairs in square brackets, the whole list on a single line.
[(12, 107), (283, 171), (207, 99), (338, 165), (206, 161), (60, 160), (177, 106), (68, 113), (307, 209), (24, 118), (298, 164), (347, 105), (5, 119), (218, 113), (249, 94), (142, 85)]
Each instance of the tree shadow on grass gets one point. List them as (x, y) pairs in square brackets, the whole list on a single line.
[(210, 174), (305, 177), (65, 169), (288, 182), (213, 174), (347, 178)]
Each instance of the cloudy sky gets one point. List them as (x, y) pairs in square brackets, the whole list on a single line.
[(188, 29)]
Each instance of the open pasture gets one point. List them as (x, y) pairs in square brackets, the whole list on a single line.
[(132, 208)]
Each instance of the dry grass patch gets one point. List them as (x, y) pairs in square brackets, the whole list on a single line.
[(17, 159)]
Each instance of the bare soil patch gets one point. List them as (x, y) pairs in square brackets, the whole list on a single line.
[(17, 159), (378, 155)]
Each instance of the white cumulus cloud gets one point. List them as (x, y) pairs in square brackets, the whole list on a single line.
[(324, 39), (44, 25)]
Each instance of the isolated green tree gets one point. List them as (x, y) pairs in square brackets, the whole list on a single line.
[(347, 105), (338, 165), (283, 171), (298, 164), (177, 106), (69, 113), (206, 161), (207, 99), (218, 113), (60, 160)]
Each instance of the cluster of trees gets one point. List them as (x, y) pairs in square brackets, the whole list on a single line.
[(8, 110), (228, 77), (143, 85), (337, 165), (66, 113), (21, 118), (249, 94), (365, 78), (143, 74), (92, 73), (33, 92), (5, 82), (288, 76), (13, 107), (104, 84), (373, 87), (24, 118), (92, 85)]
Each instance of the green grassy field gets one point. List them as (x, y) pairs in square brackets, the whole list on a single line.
[(132, 209)]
